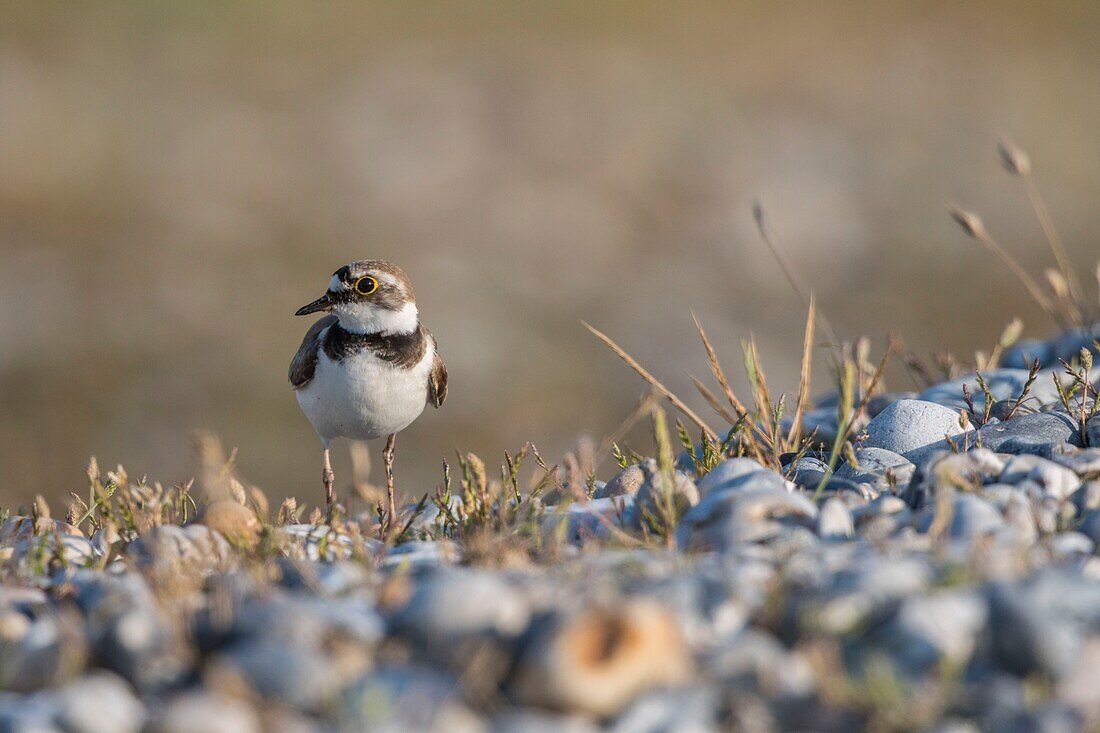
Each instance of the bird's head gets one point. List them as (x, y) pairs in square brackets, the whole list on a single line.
[(369, 296)]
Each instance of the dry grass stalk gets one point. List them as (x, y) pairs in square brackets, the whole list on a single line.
[(1018, 164), (757, 442), (645, 407), (759, 385), (714, 402), (972, 224), (847, 418), (1066, 300), (788, 271), (804, 374), (719, 373), (653, 381)]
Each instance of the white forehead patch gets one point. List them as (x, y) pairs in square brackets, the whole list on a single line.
[(336, 284)]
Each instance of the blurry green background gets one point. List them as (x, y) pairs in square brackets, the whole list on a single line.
[(176, 178)]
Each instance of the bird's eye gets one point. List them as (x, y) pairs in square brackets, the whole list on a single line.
[(366, 285)]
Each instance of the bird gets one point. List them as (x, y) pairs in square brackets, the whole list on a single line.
[(369, 367)]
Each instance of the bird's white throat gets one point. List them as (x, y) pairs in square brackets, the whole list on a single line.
[(359, 317)]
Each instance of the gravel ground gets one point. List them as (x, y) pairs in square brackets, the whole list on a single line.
[(945, 578)]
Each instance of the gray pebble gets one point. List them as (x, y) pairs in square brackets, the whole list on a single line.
[(1022, 354), (1057, 481), (730, 472), (1090, 525), (206, 712), (1039, 433), (407, 698), (1092, 431), (881, 468), (303, 679), (834, 521), (940, 627), (913, 428), (519, 720), (1070, 545), (970, 516), (456, 604), (1004, 384), (670, 711), (1038, 625), (735, 515), (655, 499), (625, 482), (100, 702), (421, 553)]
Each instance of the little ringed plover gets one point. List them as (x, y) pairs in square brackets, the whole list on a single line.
[(369, 367)]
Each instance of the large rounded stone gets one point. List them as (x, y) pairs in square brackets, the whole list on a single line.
[(913, 428)]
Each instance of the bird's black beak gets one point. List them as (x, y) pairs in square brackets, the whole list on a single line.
[(321, 304)]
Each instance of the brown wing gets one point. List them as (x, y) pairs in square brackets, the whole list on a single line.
[(305, 361), (437, 380)]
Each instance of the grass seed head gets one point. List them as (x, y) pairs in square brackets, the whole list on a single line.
[(1014, 160), (970, 222)]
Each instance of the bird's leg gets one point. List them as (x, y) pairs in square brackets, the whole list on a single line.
[(387, 459), (329, 479)]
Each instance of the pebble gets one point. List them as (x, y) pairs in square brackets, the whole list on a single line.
[(807, 472), (969, 517), (1078, 687), (882, 469), (206, 712), (455, 609), (21, 527), (397, 698), (1040, 433), (521, 720), (1022, 354), (942, 627), (1039, 626), (625, 483), (730, 472), (735, 515), (1085, 463), (913, 428), (304, 679), (1056, 480), (834, 521), (100, 702), (1070, 545), (39, 650), (593, 519), (192, 547), (670, 711), (51, 550), (656, 501), (1003, 384), (421, 553), (1092, 431), (1090, 525)]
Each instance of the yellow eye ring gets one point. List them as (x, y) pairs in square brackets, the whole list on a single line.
[(366, 285)]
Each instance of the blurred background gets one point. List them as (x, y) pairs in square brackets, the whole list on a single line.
[(177, 178)]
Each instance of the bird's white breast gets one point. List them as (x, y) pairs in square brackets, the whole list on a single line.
[(363, 397)]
